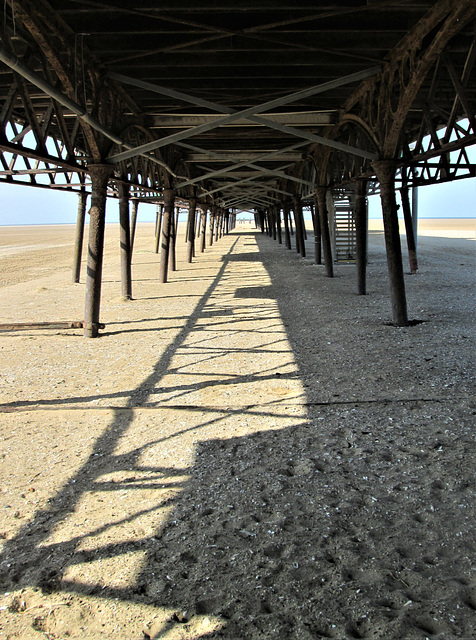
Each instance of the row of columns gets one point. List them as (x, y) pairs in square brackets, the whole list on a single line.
[(221, 223), (270, 223)]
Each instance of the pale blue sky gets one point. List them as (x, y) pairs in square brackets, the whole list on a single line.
[(30, 205)]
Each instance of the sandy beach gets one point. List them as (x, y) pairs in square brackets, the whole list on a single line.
[(250, 451)]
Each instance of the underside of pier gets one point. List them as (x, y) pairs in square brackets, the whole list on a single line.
[(268, 107)]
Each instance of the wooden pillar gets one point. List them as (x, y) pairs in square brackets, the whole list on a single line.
[(125, 241), (287, 235), (158, 226), (326, 238), (299, 221), (407, 215), (135, 208), (203, 230), (169, 201), (385, 171), (100, 175), (78, 243), (191, 229), (361, 233), (316, 225)]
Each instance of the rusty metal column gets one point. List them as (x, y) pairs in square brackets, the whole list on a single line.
[(78, 243), (278, 224), (100, 175), (262, 221), (125, 241), (316, 224), (287, 236), (203, 230), (158, 226), (217, 225), (415, 215), (173, 239), (191, 229), (135, 207), (326, 238), (198, 223), (299, 222), (385, 171), (361, 232), (212, 223), (222, 223), (169, 201), (407, 215)]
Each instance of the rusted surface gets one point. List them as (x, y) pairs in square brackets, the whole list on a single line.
[(125, 241), (386, 176), (191, 230), (100, 175), (78, 242), (169, 200), (409, 229), (26, 326), (326, 239), (361, 233), (316, 225)]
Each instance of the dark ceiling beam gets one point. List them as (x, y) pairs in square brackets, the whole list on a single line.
[(241, 156), (254, 32), (182, 121), (229, 185), (236, 165), (251, 114)]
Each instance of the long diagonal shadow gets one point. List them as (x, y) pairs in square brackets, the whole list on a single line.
[(339, 518), (23, 556)]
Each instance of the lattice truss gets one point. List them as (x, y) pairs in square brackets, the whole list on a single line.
[(47, 141), (419, 110), (440, 151)]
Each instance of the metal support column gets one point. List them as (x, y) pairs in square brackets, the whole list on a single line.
[(125, 241), (158, 226), (212, 224), (203, 230), (173, 240), (407, 215), (169, 201), (385, 171), (361, 233), (287, 235), (316, 224), (415, 215), (135, 208), (191, 229), (299, 221), (326, 238), (100, 175), (78, 243), (217, 225), (278, 224)]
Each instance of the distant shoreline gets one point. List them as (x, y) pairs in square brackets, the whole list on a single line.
[(371, 220)]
